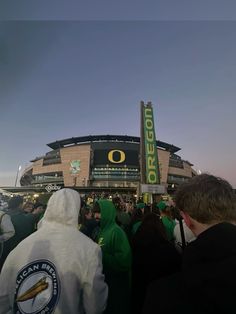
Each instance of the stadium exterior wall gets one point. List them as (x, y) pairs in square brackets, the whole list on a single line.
[(102, 165)]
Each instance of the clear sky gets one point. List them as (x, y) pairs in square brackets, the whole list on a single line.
[(61, 79), (118, 9)]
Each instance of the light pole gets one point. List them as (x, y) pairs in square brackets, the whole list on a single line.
[(19, 168)]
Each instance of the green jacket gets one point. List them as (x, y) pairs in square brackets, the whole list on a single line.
[(116, 259), (169, 225)]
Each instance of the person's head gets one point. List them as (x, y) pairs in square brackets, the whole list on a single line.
[(141, 206), (88, 213), (105, 212), (15, 202), (206, 200), (137, 215), (161, 206), (117, 203), (38, 205), (150, 229), (38, 208), (129, 207), (28, 207), (63, 207), (164, 209), (85, 214), (97, 212)]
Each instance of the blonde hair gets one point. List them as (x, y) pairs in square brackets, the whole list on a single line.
[(207, 199)]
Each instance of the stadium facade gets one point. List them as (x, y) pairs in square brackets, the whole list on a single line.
[(101, 162)]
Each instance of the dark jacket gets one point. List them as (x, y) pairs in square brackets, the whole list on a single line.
[(24, 225), (207, 282), (153, 257), (116, 257), (88, 227)]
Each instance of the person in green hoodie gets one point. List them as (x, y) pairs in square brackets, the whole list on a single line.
[(116, 254), (167, 220)]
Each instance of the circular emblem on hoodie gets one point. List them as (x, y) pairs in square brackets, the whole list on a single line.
[(37, 288)]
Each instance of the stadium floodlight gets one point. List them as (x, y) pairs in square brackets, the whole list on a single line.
[(17, 173)]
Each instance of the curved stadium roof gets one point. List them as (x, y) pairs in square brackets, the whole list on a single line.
[(102, 138)]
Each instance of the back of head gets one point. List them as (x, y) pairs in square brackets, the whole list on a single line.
[(164, 209), (15, 202), (151, 228), (117, 203), (207, 199), (140, 205), (137, 215), (161, 206), (152, 221), (63, 207), (116, 199)]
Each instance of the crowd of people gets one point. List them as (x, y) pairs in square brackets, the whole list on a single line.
[(118, 257)]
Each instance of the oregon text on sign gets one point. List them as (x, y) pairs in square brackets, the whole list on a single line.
[(150, 147)]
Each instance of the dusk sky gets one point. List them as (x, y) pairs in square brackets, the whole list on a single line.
[(60, 79)]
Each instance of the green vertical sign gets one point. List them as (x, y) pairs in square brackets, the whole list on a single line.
[(150, 147)]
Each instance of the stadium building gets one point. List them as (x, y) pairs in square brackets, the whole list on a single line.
[(102, 163)]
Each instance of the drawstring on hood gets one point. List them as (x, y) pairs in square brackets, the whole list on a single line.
[(63, 207)]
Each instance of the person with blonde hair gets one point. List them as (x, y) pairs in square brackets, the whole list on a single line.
[(207, 282)]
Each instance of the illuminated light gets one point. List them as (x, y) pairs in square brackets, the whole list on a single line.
[(36, 195)]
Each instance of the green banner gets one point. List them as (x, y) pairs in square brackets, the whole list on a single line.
[(150, 147)]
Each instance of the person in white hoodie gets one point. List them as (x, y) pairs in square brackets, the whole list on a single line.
[(57, 269)]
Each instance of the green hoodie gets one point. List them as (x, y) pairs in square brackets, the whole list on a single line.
[(169, 225), (116, 254)]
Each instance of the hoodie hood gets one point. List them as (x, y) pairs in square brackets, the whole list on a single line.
[(63, 207), (108, 213)]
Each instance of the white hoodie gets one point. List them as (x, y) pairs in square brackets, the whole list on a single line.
[(57, 269)]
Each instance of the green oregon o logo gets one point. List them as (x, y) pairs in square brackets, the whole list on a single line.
[(121, 156)]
